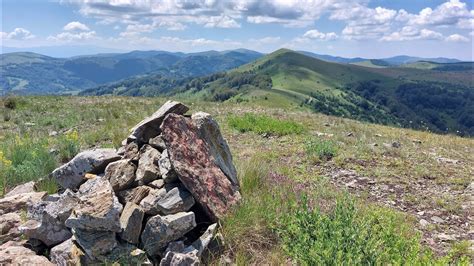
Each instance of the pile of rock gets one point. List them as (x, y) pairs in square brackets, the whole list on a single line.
[(155, 200)]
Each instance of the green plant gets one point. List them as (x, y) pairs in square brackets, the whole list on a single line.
[(262, 124), (68, 146), (10, 103), (349, 234), (322, 149), (27, 160)]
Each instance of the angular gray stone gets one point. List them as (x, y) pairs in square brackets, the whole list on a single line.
[(19, 202), (130, 151), (149, 204), (166, 168), (160, 230), (210, 132), (180, 259), (201, 244), (150, 126), (67, 253), (134, 195), (14, 254), (157, 143), (9, 223), (178, 199), (120, 174), (98, 209), (127, 254), (131, 222), (157, 184), (148, 165), (95, 243), (23, 188), (71, 175), (50, 228)]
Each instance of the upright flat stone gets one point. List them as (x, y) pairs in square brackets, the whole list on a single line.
[(192, 161), (131, 222), (150, 126), (210, 132), (148, 169), (166, 168), (98, 208), (71, 175), (160, 230)]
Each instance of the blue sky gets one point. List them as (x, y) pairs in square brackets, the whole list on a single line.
[(366, 28)]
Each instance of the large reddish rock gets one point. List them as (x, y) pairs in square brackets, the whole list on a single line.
[(196, 168)]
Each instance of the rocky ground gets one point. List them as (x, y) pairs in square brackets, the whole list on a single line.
[(156, 200)]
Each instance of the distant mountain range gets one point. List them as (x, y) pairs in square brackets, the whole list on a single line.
[(437, 96), (390, 61), (31, 73)]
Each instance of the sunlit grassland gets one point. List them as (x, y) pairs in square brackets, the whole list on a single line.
[(272, 159)]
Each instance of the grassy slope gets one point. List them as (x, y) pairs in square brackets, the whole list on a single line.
[(411, 182)]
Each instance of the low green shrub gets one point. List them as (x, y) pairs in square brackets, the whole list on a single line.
[(10, 102), (262, 124), (321, 149), (350, 235), (68, 145), (24, 160)]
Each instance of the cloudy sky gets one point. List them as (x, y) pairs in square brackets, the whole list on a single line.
[(367, 28)]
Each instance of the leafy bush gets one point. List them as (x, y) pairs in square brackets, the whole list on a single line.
[(26, 160), (262, 124), (10, 103), (321, 149), (68, 146), (348, 235)]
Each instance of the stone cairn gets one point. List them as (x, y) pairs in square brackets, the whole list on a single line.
[(156, 200)]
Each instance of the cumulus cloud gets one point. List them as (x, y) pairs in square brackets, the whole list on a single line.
[(410, 33), (71, 36), (317, 35), (17, 34), (361, 21), (75, 26), (221, 22), (448, 13), (456, 38)]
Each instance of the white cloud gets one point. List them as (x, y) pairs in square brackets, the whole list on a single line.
[(456, 38), (75, 26), (448, 13), (409, 33), (221, 22), (317, 35), (71, 36), (17, 34)]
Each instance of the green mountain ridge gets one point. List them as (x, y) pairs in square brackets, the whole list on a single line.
[(30, 73), (408, 97)]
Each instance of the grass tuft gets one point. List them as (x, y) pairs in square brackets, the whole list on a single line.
[(262, 124), (320, 149)]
